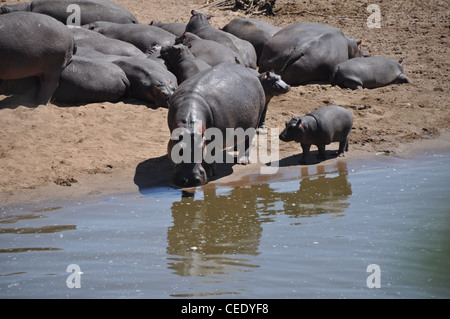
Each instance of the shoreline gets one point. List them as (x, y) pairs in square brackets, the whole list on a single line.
[(126, 182)]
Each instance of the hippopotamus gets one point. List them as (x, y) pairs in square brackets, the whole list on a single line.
[(107, 45), (307, 52), (209, 51), (225, 96), (176, 28), (150, 81), (34, 44), (321, 127), (255, 31), (199, 25), (90, 10), (371, 72), (90, 81), (273, 85), (182, 62), (141, 35)]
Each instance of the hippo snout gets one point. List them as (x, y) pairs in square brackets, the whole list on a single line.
[(189, 175)]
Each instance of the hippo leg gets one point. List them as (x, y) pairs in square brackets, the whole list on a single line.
[(262, 121), (343, 146), (321, 148), (244, 160), (49, 84), (352, 85), (305, 149)]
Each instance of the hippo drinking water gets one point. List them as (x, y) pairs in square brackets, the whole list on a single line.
[(321, 127), (226, 96)]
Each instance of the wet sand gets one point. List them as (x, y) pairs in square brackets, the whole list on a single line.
[(66, 152)]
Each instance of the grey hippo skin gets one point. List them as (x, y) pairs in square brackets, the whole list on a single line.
[(109, 46), (150, 81), (176, 28), (199, 25), (90, 81), (273, 85), (141, 35), (255, 31), (209, 51), (90, 10), (227, 95), (182, 62), (371, 72), (33, 44), (321, 127), (307, 52)]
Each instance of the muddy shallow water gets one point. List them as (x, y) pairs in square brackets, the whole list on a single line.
[(311, 232)]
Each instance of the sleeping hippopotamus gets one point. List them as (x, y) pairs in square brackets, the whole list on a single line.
[(226, 96), (107, 45), (91, 81), (141, 35), (370, 72), (255, 31), (307, 52), (199, 25), (182, 62), (176, 28), (150, 81), (34, 44), (209, 51), (321, 127), (90, 10)]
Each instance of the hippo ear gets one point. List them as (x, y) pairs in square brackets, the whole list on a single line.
[(358, 42), (299, 123), (400, 61)]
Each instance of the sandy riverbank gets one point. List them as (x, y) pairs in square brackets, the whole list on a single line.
[(57, 152)]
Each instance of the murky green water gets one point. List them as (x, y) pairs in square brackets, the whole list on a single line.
[(310, 233)]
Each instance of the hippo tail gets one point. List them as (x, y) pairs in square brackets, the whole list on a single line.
[(334, 76)]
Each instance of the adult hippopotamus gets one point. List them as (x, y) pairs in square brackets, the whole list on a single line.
[(34, 44), (150, 81), (321, 127), (107, 45), (90, 81), (371, 72), (307, 52), (225, 97), (141, 35), (182, 62), (90, 10), (199, 25), (255, 31), (176, 28), (209, 51)]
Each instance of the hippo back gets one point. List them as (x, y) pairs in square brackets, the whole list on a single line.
[(231, 94)]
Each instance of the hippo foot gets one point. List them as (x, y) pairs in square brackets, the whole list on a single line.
[(340, 155), (262, 130), (243, 161)]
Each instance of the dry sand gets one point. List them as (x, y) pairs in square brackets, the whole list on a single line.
[(57, 152)]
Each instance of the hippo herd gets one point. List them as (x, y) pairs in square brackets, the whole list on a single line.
[(206, 77)]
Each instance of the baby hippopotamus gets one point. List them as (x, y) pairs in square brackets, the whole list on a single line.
[(321, 127)]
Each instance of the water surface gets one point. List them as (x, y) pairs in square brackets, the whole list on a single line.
[(308, 233)]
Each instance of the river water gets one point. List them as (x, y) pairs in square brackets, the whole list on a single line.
[(359, 229)]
